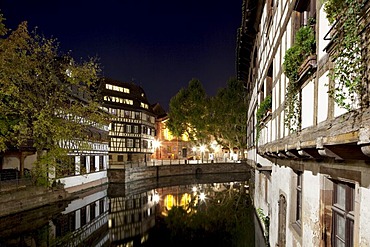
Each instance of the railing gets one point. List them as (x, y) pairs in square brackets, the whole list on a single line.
[(160, 162)]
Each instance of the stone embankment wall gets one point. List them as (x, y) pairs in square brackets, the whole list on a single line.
[(139, 173), (28, 198)]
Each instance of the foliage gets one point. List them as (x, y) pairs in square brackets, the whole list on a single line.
[(333, 8), (227, 115), (265, 105), (265, 220), (304, 45), (348, 68), (37, 102), (188, 112)]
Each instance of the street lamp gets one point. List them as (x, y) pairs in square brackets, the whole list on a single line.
[(156, 145)]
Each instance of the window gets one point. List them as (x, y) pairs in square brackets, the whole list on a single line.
[(101, 206), (343, 215), (101, 162), (136, 129), (120, 158), (83, 165), (92, 211), (117, 88), (298, 216), (137, 143), (128, 128), (92, 163), (130, 143), (83, 216)]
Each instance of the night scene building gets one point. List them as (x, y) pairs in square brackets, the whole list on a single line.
[(311, 156), (167, 146), (132, 127)]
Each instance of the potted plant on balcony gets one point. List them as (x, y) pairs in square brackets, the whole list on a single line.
[(303, 48)]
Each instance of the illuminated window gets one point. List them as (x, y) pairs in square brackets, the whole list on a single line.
[(119, 100), (117, 88), (143, 105)]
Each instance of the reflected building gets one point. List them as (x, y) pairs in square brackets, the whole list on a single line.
[(310, 155), (131, 217), (84, 221), (81, 222)]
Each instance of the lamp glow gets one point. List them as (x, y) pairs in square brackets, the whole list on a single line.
[(156, 198), (202, 196)]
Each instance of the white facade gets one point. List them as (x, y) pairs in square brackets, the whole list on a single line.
[(304, 178)]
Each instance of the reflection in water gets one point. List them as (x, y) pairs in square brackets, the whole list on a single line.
[(204, 215), (218, 214)]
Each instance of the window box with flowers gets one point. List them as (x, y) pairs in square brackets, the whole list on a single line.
[(298, 60)]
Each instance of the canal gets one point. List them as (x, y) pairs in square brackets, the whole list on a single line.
[(206, 210)]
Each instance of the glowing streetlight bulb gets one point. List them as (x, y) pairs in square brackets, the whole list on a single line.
[(156, 143), (202, 148), (194, 189)]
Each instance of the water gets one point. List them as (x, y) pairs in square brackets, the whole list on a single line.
[(180, 211)]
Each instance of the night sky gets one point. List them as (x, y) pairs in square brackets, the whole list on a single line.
[(160, 45)]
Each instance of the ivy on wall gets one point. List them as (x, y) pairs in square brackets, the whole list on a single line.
[(264, 106), (348, 69), (304, 45)]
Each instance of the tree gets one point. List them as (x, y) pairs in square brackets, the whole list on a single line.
[(45, 96), (188, 112), (228, 112)]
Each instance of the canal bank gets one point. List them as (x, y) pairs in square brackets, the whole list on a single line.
[(28, 197), (140, 173)]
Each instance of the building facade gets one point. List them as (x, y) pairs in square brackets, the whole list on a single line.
[(132, 127), (169, 147), (310, 153)]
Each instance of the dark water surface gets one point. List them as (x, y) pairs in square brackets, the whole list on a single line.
[(212, 210)]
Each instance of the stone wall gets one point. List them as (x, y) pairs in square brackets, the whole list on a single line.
[(140, 173), (28, 198)]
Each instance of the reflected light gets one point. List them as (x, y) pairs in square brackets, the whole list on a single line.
[(202, 196), (156, 198)]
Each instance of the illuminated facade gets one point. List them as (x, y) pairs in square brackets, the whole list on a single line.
[(132, 127), (168, 146), (310, 174)]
